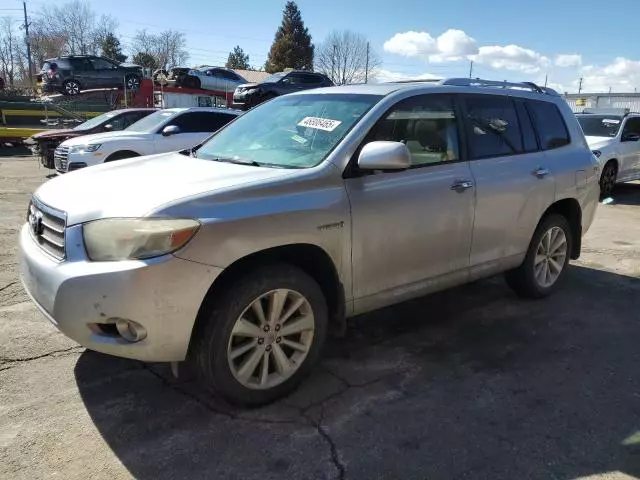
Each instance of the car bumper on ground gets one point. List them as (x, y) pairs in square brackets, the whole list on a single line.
[(85, 300)]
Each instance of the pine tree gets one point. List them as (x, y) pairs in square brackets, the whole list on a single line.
[(292, 47), (238, 59), (110, 47), (145, 60)]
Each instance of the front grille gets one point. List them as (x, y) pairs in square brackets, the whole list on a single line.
[(60, 158), (47, 227)]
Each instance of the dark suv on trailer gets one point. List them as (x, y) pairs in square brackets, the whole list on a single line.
[(249, 95), (72, 74)]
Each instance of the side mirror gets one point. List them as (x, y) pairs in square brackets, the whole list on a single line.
[(630, 137), (170, 130), (108, 127), (384, 155)]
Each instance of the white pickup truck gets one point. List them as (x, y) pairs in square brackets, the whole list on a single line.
[(164, 131), (613, 134)]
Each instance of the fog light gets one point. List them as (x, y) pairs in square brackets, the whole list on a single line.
[(130, 330)]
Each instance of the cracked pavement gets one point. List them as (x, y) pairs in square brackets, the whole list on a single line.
[(468, 383)]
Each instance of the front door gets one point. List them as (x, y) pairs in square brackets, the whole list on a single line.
[(629, 148), (411, 230), (514, 179)]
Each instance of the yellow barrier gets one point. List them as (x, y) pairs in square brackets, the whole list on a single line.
[(19, 132), (41, 113)]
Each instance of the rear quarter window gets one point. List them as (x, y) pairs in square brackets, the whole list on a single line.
[(549, 123)]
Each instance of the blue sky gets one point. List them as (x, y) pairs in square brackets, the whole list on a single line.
[(507, 39)]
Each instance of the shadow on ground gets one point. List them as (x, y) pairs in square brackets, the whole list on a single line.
[(469, 383), (626, 194)]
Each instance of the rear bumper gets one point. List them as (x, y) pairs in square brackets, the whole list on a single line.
[(83, 299)]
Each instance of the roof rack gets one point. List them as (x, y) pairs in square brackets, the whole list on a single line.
[(477, 82)]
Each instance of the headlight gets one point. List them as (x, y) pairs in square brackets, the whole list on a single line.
[(85, 148), (597, 153), (136, 238)]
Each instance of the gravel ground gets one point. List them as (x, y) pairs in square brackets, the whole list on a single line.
[(469, 383)]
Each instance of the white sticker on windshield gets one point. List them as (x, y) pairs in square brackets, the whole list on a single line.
[(318, 123), (611, 120)]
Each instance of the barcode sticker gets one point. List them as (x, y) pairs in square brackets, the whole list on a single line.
[(318, 123)]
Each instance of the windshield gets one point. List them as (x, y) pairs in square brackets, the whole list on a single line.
[(600, 125), (95, 121), (151, 123), (274, 78), (296, 131)]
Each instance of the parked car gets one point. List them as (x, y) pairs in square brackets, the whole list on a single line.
[(44, 143), (72, 74), (209, 78), (174, 76), (249, 95), (166, 130), (238, 256), (613, 134)]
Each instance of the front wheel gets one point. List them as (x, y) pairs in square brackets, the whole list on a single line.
[(608, 178), (72, 87), (262, 336), (546, 260), (133, 82)]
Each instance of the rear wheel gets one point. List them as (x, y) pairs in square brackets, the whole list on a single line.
[(262, 336), (546, 261), (608, 178), (71, 87)]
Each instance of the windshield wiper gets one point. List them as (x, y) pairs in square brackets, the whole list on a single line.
[(237, 161)]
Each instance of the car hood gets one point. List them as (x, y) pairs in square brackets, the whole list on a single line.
[(59, 133), (106, 137), (246, 86), (599, 142), (138, 186)]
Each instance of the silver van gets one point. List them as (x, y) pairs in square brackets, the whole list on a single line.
[(240, 255)]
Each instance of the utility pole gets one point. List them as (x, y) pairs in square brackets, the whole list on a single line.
[(580, 86), (26, 39), (546, 77), (609, 90), (333, 64), (366, 68), (470, 68)]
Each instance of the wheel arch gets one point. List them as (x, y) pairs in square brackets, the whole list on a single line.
[(117, 155), (570, 209), (311, 259)]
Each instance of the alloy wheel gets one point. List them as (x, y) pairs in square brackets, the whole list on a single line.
[(133, 83), (608, 179), (550, 258), (271, 339), (72, 88)]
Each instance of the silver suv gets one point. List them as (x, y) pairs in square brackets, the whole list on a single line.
[(239, 255)]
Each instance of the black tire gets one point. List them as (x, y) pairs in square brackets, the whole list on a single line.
[(608, 178), (522, 280), (132, 82), (71, 87), (211, 341), (121, 155), (192, 82)]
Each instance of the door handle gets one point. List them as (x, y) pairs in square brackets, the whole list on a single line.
[(541, 172), (462, 185)]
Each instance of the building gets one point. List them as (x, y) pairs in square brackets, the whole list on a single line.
[(580, 101)]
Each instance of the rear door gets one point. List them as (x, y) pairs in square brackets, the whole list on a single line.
[(106, 73), (83, 72), (514, 181)]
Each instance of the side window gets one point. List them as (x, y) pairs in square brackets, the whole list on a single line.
[(549, 123), (81, 64), (102, 64), (426, 124), (529, 141), (311, 79), (201, 122), (295, 79), (227, 75), (215, 121), (492, 127), (632, 125), (119, 122)]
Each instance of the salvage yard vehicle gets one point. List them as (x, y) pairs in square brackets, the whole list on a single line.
[(211, 78), (249, 95), (73, 73), (44, 143), (613, 134), (166, 130), (240, 255)]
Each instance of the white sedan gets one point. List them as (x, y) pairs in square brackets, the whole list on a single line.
[(214, 78)]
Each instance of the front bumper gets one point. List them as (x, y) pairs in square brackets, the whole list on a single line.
[(81, 297)]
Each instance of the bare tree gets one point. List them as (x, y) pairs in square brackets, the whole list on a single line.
[(167, 48), (8, 46), (346, 57)]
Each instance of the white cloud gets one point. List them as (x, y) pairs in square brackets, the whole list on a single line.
[(411, 44), (511, 57), (568, 60), (621, 76), (382, 75), (454, 45)]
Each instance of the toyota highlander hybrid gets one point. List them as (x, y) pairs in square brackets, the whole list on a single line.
[(240, 255)]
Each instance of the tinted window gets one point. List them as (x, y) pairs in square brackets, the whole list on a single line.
[(529, 141), (548, 121), (295, 79), (101, 64), (81, 64), (492, 126), (201, 121), (426, 124), (311, 79), (631, 126), (226, 75)]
